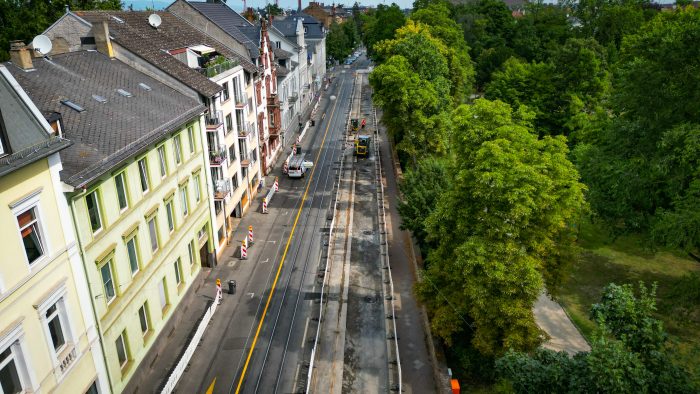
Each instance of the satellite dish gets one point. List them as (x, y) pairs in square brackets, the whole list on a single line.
[(42, 44), (154, 20)]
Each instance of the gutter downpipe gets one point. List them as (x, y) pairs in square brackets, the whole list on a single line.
[(92, 297)]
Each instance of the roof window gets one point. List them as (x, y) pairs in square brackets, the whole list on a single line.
[(124, 93), (72, 105), (99, 99), (145, 87), (120, 20)]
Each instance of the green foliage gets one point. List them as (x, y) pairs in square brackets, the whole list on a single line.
[(608, 21), (444, 28), (381, 25), (422, 187), (627, 354), (499, 227), (542, 29), (643, 167), (24, 19), (338, 44)]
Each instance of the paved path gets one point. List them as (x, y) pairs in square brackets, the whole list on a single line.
[(564, 336)]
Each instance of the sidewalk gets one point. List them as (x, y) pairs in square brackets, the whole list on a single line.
[(564, 336), (156, 366)]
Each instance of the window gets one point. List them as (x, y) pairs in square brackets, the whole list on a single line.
[(161, 161), (143, 174), (121, 191), (232, 154), (183, 200), (93, 387), (122, 354), (190, 251), (178, 151), (197, 190), (234, 181), (9, 375), (153, 233), (169, 213), (53, 320), (108, 281), (225, 95), (93, 207), (218, 206), (178, 275), (29, 229), (143, 318), (131, 251), (190, 137), (279, 44), (229, 123), (163, 294)]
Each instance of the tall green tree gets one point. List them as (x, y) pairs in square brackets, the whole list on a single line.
[(644, 166), (443, 27), (24, 19), (500, 227), (381, 25), (338, 44)]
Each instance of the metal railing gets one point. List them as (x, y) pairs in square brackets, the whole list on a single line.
[(214, 118), (217, 155), (222, 187), (216, 69)]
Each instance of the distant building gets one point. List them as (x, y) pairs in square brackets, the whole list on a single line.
[(135, 181), (48, 339)]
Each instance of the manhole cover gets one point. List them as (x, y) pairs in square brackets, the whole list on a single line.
[(368, 232)]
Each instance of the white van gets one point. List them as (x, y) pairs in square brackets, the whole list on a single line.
[(296, 167)]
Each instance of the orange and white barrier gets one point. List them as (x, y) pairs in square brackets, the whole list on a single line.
[(250, 235), (264, 208), (244, 250), (277, 184)]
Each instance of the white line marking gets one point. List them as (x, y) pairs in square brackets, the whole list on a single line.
[(303, 338), (251, 295)]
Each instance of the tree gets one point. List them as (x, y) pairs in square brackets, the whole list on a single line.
[(627, 354), (499, 227), (651, 144), (422, 187), (541, 29), (381, 25), (24, 19), (338, 45), (443, 27)]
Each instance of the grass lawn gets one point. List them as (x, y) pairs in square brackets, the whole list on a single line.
[(629, 260)]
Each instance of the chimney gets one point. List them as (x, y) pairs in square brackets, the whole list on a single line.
[(103, 43), (20, 56)]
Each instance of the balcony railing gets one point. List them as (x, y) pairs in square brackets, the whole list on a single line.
[(240, 101), (244, 130), (222, 188), (216, 69), (214, 119), (217, 155)]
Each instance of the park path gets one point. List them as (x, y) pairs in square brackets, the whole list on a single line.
[(564, 336)]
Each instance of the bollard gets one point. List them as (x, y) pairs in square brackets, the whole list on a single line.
[(285, 168), (294, 149), (264, 205), (244, 250), (277, 184), (250, 235)]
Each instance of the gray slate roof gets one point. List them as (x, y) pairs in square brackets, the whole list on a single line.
[(288, 26), (135, 34), (231, 22), (105, 134), (27, 139)]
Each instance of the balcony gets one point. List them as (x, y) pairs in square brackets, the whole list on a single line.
[(244, 130), (216, 66), (222, 188), (239, 100), (217, 156), (67, 357), (214, 120)]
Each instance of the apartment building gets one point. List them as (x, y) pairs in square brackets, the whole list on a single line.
[(199, 66), (48, 336), (135, 181), (232, 29)]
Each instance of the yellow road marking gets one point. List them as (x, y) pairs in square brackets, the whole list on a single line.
[(210, 390), (286, 248)]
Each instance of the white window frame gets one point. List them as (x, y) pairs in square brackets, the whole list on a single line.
[(177, 143), (136, 254), (162, 163), (184, 201), (197, 190), (190, 137), (143, 175), (190, 252), (27, 203), (178, 272), (14, 339), (124, 347), (111, 276), (144, 308), (58, 298), (96, 194), (154, 234), (170, 216), (121, 175)]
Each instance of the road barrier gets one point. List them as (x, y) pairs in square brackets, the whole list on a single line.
[(244, 250), (250, 235), (264, 208)]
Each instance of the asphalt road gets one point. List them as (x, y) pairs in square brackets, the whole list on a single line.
[(286, 253)]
